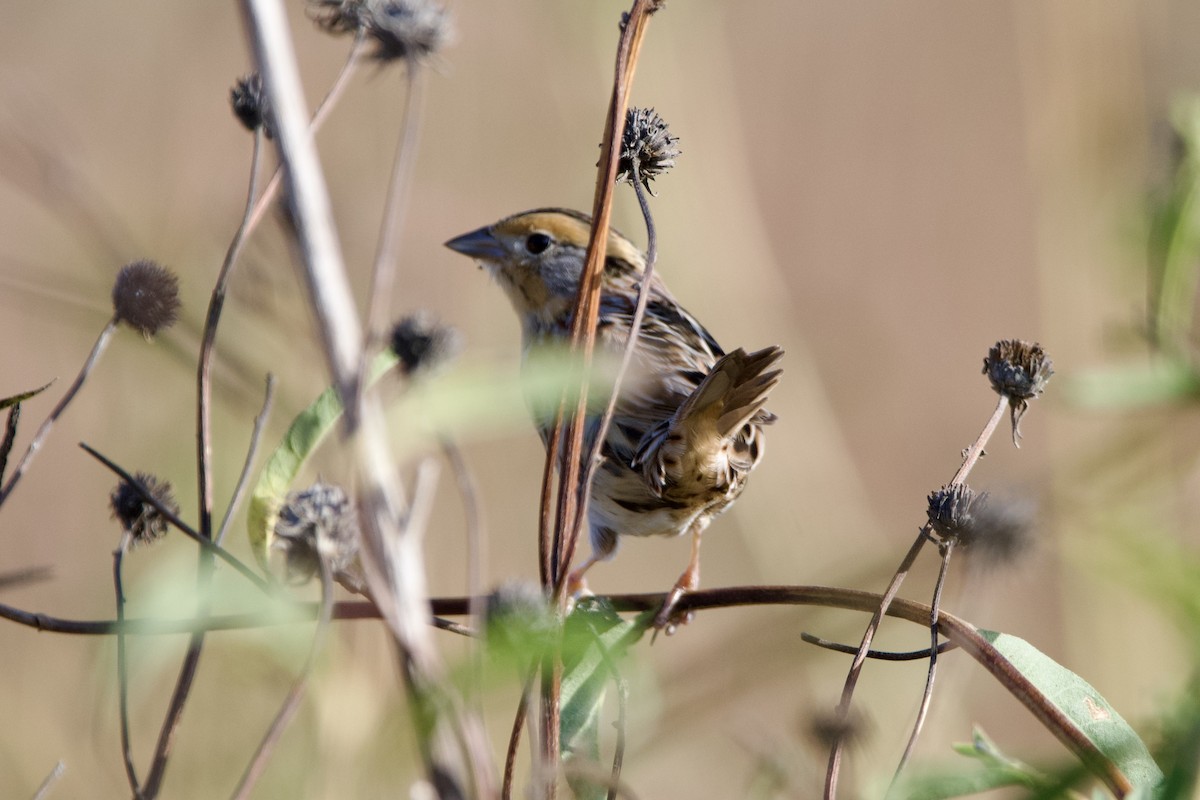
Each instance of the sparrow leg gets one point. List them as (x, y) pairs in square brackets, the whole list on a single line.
[(666, 619), (576, 582)]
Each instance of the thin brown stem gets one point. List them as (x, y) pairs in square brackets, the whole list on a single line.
[(10, 437), (583, 338), (39, 438), (879, 655), (43, 791), (335, 93), (291, 703), (970, 458), (395, 207), (946, 548), (239, 490), (514, 738), (122, 667), (635, 327)]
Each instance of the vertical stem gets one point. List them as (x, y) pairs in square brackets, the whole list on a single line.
[(122, 667)]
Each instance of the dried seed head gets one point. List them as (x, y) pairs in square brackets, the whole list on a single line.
[(138, 516), (146, 297), (249, 101), (423, 343), (520, 621), (950, 511), (407, 29), (318, 522), (1019, 371), (647, 147), (998, 532), (338, 16)]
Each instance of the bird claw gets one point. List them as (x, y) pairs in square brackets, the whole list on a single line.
[(669, 618)]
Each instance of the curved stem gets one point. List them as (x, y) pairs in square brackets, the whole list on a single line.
[(39, 438)]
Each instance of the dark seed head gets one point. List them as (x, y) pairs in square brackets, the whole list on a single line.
[(422, 343), (1019, 371), (249, 101), (137, 515), (648, 149), (146, 297), (407, 29), (318, 522), (338, 16), (995, 531)]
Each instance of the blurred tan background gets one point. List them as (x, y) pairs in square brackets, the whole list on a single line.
[(884, 189)]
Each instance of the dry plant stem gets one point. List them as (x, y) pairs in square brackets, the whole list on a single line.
[(174, 519), (476, 555), (291, 703), (635, 327), (927, 696), (391, 556), (204, 572), (384, 271), (879, 655), (39, 438), (319, 116), (956, 630), (239, 491), (583, 338), (970, 458), (43, 791), (122, 670), (514, 738)]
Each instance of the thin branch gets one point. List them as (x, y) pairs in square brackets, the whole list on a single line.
[(879, 655), (122, 667), (946, 549), (239, 491), (43, 791), (335, 93), (514, 738), (175, 520), (476, 552), (970, 458), (395, 207), (635, 327), (208, 342), (291, 703), (44, 431)]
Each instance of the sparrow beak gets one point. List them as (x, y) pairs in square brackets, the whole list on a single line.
[(478, 244)]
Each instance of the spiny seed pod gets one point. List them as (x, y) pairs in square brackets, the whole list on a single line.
[(249, 101), (950, 510), (318, 522), (422, 343), (137, 515), (145, 296), (407, 29), (997, 532), (648, 149), (1019, 371), (338, 16)]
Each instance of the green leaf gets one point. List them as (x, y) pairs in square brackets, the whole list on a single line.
[(1133, 386), (1083, 705), (595, 641), (303, 436), (21, 398)]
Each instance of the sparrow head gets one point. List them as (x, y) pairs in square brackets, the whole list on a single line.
[(537, 257)]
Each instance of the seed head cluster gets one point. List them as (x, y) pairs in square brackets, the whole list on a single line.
[(400, 29), (1019, 371), (648, 149), (422, 342), (146, 297), (137, 515), (249, 101), (997, 532), (318, 522)]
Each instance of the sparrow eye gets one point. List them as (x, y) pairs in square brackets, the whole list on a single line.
[(537, 243)]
